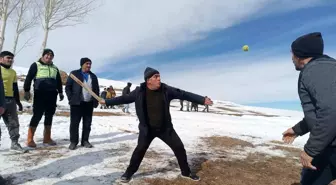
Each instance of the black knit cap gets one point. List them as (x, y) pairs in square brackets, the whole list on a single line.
[(46, 51), (309, 45), (84, 60), (6, 53), (149, 72)]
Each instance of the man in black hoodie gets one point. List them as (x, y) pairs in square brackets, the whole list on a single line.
[(47, 85), (152, 102), (317, 92)]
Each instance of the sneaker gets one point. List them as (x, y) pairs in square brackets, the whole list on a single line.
[(72, 146), (125, 178), (86, 144), (193, 177), (17, 148)]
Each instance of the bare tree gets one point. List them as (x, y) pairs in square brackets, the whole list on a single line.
[(25, 17), (6, 8), (62, 13)]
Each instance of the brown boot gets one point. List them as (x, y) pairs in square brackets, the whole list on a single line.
[(30, 139), (46, 137)]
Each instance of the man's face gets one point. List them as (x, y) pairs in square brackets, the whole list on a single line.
[(155, 81), (7, 60), (297, 63), (86, 66), (47, 58)]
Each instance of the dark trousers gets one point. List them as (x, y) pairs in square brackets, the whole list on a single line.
[(77, 112), (44, 103), (170, 137), (326, 169)]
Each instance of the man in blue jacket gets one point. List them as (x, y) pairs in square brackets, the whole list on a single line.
[(317, 92), (81, 103), (152, 101)]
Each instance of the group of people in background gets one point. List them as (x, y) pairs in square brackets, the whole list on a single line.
[(152, 102), (193, 106)]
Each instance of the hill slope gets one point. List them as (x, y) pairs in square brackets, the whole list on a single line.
[(231, 144)]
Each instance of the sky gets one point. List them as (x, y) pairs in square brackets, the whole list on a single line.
[(195, 44)]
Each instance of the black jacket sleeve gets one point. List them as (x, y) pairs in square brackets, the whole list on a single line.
[(30, 76), (16, 93), (96, 90), (320, 83), (301, 128), (68, 87), (59, 82), (125, 99), (176, 93)]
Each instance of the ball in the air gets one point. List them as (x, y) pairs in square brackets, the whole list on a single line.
[(245, 48)]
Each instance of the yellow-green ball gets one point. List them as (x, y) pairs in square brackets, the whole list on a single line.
[(245, 48)]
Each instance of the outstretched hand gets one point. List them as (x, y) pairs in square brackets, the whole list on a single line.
[(208, 101), (102, 102)]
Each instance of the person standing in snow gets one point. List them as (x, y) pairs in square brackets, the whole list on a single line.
[(47, 85), (317, 92), (2, 110), (152, 101), (126, 91), (81, 103), (103, 95), (12, 98)]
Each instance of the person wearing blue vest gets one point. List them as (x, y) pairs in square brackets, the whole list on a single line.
[(47, 85)]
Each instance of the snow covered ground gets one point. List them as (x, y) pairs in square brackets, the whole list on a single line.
[(114, 139)]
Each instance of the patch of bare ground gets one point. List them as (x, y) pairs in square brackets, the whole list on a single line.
[(42, 154), (229, 109), (262, 114), (226, 142), (254, 169), (67, 114)]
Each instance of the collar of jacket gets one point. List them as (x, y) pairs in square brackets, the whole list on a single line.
[(80, 71), (143, 86), (45, 63), (316, 59)]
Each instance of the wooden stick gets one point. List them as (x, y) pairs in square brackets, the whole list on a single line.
[(86, 87)]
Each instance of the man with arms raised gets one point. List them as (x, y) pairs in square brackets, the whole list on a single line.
[(152, 103)]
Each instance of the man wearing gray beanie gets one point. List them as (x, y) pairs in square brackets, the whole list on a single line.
[(317, 92), (152, 103)]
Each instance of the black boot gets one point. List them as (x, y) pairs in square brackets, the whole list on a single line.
[(191, 176), (125, 178), (73, 146), (86, 144)]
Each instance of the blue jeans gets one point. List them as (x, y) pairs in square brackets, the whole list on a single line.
[(326, 169)]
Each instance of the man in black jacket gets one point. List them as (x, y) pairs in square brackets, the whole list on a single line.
[(47, 85), (126, 91), (317, 92), (81, 103), (152, 102)]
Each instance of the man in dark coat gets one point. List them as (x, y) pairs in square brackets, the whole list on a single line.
[(2, 110), (126, 91), (317, 92), (81, 103), (152, 101)]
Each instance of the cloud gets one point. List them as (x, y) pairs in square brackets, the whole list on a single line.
[(245, 79), (129, 28)]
